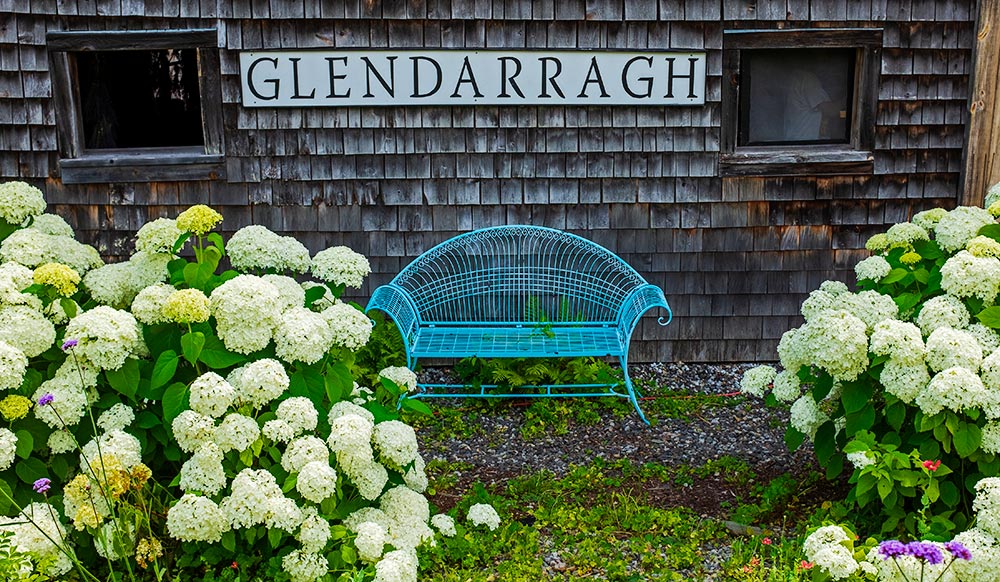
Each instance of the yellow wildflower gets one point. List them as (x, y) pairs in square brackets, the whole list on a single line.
[(186, 306), (139, 475), (62, 277), (15, 407), (198, 219), (147, 551)]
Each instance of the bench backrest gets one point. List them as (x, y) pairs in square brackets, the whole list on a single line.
[(518, 274)]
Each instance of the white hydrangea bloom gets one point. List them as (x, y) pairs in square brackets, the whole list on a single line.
[(401, 376), (211, 395), (905, 234), (787, 387), (158, 236), (928, 219), (992, 195), (117, 285), (203, 472), (835, 560), (8, 448), (341, 266), (985, 563), (367, 513), (19, 200), (147, 307), (370, 541), (396, 443), (904, 380), (991, 437), (343, 408), (349, 327), (196, 519), (256, 248), (124, 447), (291, 293), (305, 567), (13, 365), (870, 307), (987, 337), (900, 340), (115, 418), (860, 459), (246, 313), (950, 348), (278, 430), (828, 535), (36, 531), (835, 288), (960, 226), (314, 533), (61, 441), (874, 268), (282, 513), (69, 402), (987, 505), (397, 566), (191, 430), (966, 275), (324, 302), (990, 374), (26, 329), (757, 380), (299, 412), (484, 514), (838, 343), (236, 432), (317, 481), (115, 536), (350, 432), (444, 524), (106, 336), (943, 311), (806, 416), (302, 336), (259, 382), (817, 302), (32, 248), (16, 275), (247, 504), (983, 246), (791, 350), (52, 224), (302, 451), (955, 389)]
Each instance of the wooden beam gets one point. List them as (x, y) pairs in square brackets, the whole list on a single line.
[(982, 148)]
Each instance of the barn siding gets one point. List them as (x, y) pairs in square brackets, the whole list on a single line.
[(735, 255)]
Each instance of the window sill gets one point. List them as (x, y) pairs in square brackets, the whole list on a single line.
[(800, 161), (142, 165)]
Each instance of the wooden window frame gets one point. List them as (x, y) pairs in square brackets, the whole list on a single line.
[(79, 165), (854, 157)]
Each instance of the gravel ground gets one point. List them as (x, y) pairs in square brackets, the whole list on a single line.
[(745, 429)]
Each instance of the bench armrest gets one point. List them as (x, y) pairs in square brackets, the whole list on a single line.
[(638, 302), (400, 307)]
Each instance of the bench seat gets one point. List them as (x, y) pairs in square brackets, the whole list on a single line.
[(517, 341)]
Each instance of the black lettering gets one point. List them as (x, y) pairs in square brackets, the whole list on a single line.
[(504, 79), (671, 76), (471, 79), (647, 80), (416, 77), (596, 72), (547, 79), (390, 88), (295, 81), (333, 78), (275, 81)]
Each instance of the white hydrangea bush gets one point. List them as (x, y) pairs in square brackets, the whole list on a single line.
[(225, 411), (909, 360)]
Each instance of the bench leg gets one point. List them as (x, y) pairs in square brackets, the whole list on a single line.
[(631, 389)]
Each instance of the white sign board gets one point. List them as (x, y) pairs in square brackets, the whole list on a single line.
[(323, 78)]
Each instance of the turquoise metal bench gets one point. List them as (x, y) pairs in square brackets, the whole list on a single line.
[(519, 292)]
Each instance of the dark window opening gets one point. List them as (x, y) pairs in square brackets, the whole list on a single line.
[(796, 96), (140, 98)]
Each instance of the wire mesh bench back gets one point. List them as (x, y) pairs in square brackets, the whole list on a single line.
[(518, 274)]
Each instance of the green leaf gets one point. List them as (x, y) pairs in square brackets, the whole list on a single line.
[(175, 401), (949, 493), (5, 497), (183, 238), (348, 553), (825, 442), (274, 537), (928, 249), (967, 439), (990, 317), (894, 276), (229, 541), (192, 344), (314, 294), (895, 415), (417, 406), (290, 483), (861, 420), (906, 301), (146, 420), (855, 396), (164, 369), (216, 239), (125, 380), (69, 306), (793, 438), (990, 230), (30, 470), (191, 274), (215, 355), (25, 444)]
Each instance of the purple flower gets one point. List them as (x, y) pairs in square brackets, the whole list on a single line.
[(46, 399), (42, 485), (892, 549), (925, 551), (958, 550), (68, 344)]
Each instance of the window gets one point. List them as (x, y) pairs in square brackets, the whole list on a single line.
[(799, 102), (137, 106)]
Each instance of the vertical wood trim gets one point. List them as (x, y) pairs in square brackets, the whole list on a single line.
[(982, 148), (67, 106), (210, 87)]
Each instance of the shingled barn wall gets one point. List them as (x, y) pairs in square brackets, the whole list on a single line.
[(735, 255)]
